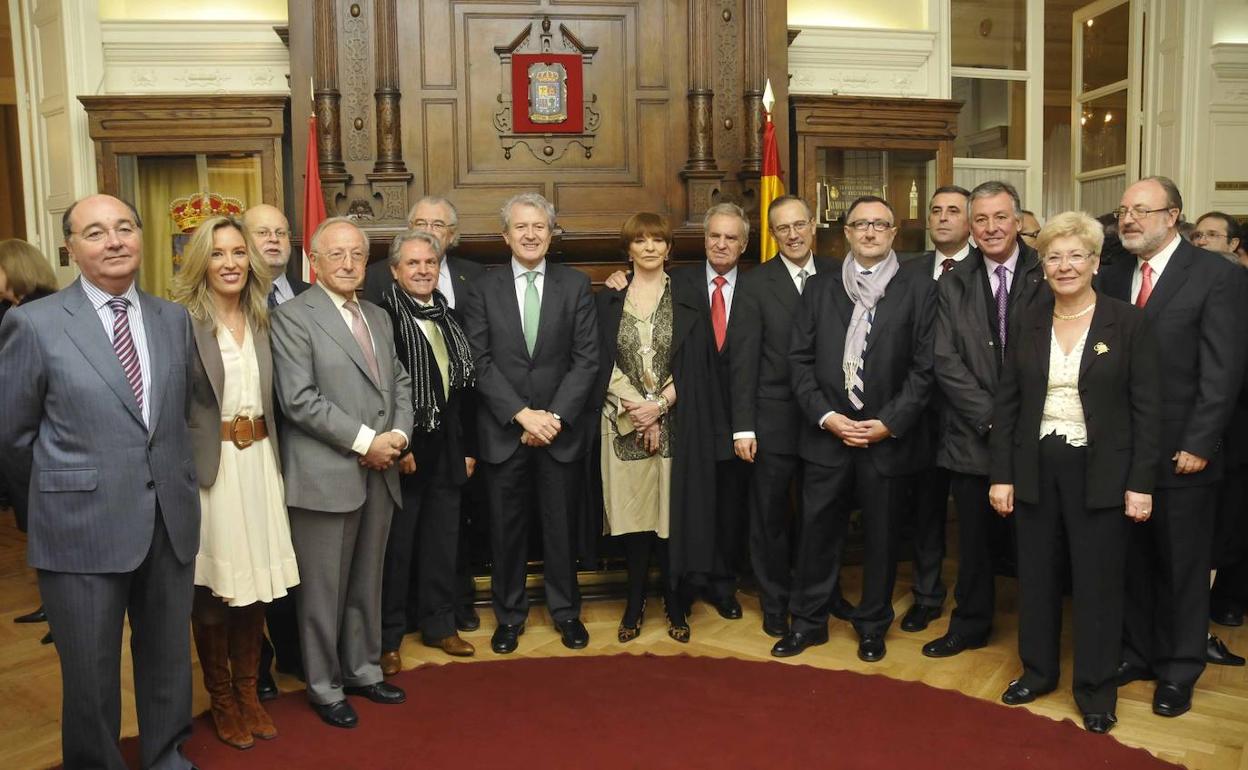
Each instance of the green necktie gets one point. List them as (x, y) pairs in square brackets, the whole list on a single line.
[(438, 343), (532, 311)]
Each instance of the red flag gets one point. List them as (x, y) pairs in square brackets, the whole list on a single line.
[(313, 200), (770, 187)]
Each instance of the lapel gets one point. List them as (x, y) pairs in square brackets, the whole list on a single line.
[(1027, 275), (610, 319), (210, 355), (1169, 283), (1042, 338), (264, 359), (325, 314), (683, 322), (887, 307), (377, 318), (1115, 279), (780, 284), (552, 289), (1098, 331), (87, 334), (505, 282), (160, 354)]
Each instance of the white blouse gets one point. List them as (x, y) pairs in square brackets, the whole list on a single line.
[(1063, 409)]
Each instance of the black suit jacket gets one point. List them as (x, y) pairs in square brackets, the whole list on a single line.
[(1197, 310), (690, 280), (557, 377), (298, 285), (761, 328), (897, 366), (968, 357), (377, 278), (929, 427), (1119, 388)]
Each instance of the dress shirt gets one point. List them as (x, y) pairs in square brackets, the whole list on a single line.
[(1011, 265), (809, 267), (522, 284), (282, 288), (447, 286), (729, 288), (364, 438), (99, 300), (1157, 263), (1063, 408), (938, 268)]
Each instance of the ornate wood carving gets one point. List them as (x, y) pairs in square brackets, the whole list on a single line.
[(389, 122), (356, 40), (755, 49), (701, 95), (325, 91)]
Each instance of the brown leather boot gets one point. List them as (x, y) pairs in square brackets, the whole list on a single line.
[(246, 625), (212, 645)]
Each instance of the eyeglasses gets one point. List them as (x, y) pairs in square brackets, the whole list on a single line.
[(1075, 260), (335, 257), (264, 233), (1030, 234), (1200, 235), (784, 231), (425, 224), (862, 225), (1137, 212), (98, 234)]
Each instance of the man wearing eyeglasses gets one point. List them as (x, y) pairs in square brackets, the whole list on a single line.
[(1218, 232), (1029, 228), (977, 300), (346, 403), (861, 371), (1195, 301), (270, 230)]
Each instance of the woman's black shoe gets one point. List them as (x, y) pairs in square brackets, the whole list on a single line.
[(628, 632), (38, 616)]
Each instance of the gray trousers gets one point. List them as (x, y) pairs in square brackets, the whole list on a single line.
[(341, 557)]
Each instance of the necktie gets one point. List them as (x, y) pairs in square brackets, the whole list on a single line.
[(360, 331), (438, 344), (1003, 295), (273, 298), (532, 311), (719, 312), (802, 275), (123, 345), (857, 389), (1146, 285), (947, 264)]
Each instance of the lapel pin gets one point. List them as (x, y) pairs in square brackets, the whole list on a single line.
[(1101, 348)]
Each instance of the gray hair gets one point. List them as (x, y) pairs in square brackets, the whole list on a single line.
[(396, 246), (733, 210), (528, 199), (438, 200), (328, 223), (992, 189)]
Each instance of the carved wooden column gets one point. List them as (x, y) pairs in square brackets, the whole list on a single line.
[(390, 176), (701, 175), (755, 77), (334, 176)]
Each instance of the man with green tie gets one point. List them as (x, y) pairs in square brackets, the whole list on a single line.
[(534, 334)]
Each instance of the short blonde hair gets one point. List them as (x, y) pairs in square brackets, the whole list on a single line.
[(190, 284), (25, 268), (1072, 224)]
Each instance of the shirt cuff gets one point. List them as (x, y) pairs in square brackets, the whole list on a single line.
[(824, 419), (363, 440), (743, 434)]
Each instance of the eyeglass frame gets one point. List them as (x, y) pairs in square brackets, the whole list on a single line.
[(337, 258), (801, 226), (1074, 260), (263, 234), (862, 225), (1139, 214)]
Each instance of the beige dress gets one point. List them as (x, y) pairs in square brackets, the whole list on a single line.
[(636, 486), (245, 554)]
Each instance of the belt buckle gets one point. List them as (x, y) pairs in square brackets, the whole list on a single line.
[(235, 424)]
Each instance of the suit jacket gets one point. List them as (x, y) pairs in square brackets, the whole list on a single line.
[(464, 272), (207, 385), (897, 367), (326, 393), (1197, 310), (94, 473), (690, 280), (298, 285), (557, 376), (1119, 388), (929, 426), (762, 393), (968, 357)]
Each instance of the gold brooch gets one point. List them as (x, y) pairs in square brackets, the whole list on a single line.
[(1101, 348)]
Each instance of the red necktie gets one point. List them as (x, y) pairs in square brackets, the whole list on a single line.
[(719, 312), (947, 265), (1146, 285)]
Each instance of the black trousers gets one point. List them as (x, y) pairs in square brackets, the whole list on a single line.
[(1168, 557), (732, 478), (283, 639), (975, 591), (929, 506), (424, 530), (825, 518), (557, 491), (771, 520), (1096, 540)]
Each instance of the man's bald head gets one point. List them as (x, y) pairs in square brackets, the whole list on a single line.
[(270, 230)]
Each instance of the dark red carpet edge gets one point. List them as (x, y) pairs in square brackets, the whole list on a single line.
[(627, 711)]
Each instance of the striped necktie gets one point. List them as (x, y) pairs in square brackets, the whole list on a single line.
[(123, 346), (857, 390)]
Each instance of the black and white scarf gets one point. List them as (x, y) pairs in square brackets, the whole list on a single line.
[(416, 355)]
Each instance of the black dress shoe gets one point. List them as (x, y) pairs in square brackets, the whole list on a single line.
[(795, 641), (1217, 653), (339, 714), (573, 634), (1171, 699), (1017, 694), (266, 688), (728, 607), (506, 638), (467, 619), (38, 616), (381, 692), (1129, 672), (871, 648), (918, 617), (1099, 723), (840, 608), (776, 625), (47, 638), (951, 644)]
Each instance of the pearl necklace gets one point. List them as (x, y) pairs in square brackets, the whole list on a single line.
[(1074, 316)]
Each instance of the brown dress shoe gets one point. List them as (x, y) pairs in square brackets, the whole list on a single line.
[(391, 663), (452, 645)]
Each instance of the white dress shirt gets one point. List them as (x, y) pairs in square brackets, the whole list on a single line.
[(282, 288), (1010, 265), (731, 278), (938, 267), (447, 286), (794, 270), (522, 283), (1157, 263), (99, 300)]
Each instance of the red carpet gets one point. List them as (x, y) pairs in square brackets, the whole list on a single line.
[(629, 711)]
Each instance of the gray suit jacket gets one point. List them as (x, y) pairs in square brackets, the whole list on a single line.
[(326, 393), (95, 474), (207, 384)]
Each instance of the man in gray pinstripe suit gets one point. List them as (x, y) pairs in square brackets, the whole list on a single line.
[(93, 388)]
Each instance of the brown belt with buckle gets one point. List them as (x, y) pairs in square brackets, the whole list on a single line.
[(244, 431)]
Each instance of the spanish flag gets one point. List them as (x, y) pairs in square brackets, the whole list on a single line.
[(313, 200), (769, 185)]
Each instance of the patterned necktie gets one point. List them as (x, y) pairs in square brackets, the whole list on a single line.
[(719, 312), (273, 298), (802, 275), (1003, 295), (532, 311), (437, 343), (359, 330), (857, 388), (1146, 285), (947, 264), (123, 345)]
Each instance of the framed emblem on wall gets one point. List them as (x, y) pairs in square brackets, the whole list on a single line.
[(547, 93)]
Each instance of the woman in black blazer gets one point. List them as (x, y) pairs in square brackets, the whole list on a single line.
[(1074, 442)]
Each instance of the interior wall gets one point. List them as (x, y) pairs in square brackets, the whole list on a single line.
[(220, 10), (12, 207), (878, 14)]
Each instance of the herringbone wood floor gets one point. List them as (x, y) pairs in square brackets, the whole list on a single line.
[(1211, 737)]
